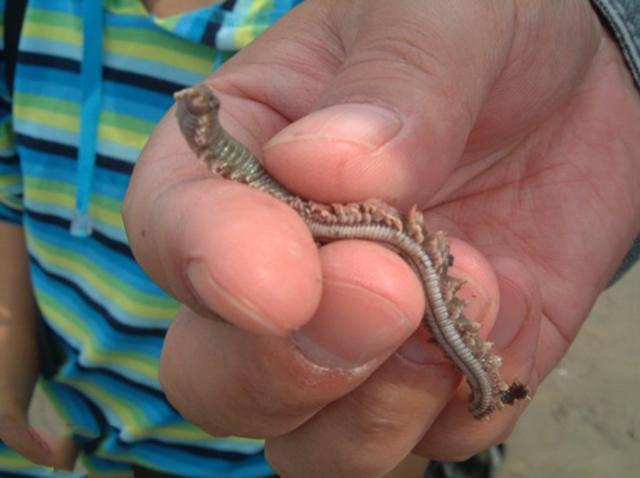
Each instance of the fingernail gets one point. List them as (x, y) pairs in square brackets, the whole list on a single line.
[(357, 123), (346, 338), (36, 437), (209, 294)]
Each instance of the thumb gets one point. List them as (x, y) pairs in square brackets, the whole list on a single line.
[(394, 119)]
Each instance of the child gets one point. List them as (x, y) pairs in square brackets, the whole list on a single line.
[(92, 80)]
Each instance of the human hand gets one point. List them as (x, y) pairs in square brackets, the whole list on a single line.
[(37, 446), (513, 124), (19, 361)]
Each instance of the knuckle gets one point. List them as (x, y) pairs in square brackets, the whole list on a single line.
[(463, 443), (291, 457), (290, 396), (376, 415)]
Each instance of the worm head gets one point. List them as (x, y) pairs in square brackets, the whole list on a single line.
[(197, 113)]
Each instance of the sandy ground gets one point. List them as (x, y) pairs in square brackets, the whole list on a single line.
[(584, 421)]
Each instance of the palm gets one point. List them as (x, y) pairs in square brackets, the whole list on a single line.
[(553, 199), (539, 179)]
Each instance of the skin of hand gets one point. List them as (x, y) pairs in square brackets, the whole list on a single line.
[(19, 359), (512, 124)]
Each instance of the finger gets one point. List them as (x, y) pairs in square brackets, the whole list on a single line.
[(27, 441), (220, 246), (65, 452), (368, 432), (204, 240), (455, 435), (168, 189), (371, 302), (396, 115), (168, 207)]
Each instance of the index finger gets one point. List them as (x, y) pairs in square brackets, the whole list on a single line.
[(219, 245)]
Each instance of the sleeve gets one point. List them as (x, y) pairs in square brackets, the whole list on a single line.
[(622, 17), (10, 174)]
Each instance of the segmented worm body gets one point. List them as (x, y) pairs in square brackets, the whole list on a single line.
[(373, 220)]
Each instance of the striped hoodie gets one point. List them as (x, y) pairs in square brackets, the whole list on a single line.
[(92, 79)]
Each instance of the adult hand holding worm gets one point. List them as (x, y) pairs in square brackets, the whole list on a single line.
[(512, 124)]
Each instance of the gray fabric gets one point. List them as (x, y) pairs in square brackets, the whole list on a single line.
[(629, 260), (623, 19)]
